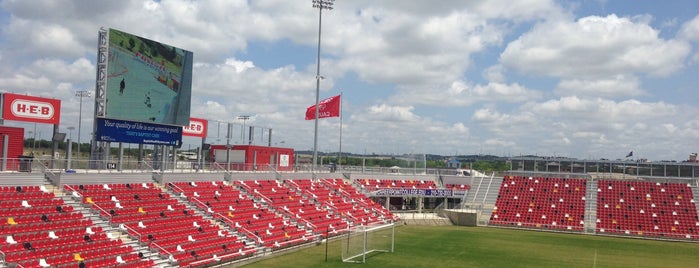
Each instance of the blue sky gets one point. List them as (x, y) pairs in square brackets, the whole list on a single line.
[(584, 79)]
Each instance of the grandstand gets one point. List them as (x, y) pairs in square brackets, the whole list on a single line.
[(185, 220), (155, 219)]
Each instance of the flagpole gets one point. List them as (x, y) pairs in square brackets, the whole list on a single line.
[(339, 154), (320, 4)]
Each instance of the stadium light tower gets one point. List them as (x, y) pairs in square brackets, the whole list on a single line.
[(81, 94), (242, 131), (320, 4)]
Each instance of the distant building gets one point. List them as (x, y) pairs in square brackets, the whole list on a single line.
[(453, 163)]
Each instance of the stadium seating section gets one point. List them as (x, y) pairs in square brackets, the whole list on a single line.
[(538, 202), (647, 209), (161, 221), (191, 223), (40, 230), (195, 224)]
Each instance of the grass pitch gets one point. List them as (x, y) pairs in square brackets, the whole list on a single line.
[(454, 246)]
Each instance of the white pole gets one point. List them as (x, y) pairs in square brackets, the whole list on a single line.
[(393, 236), (339, 155), (364, 245), (81, 94), (320, 4)]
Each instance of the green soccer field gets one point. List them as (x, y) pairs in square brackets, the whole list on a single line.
[(453, 246)]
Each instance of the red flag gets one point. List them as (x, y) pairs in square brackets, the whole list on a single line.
[(329, 107)]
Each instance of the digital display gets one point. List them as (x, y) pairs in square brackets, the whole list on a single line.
[(147, 81)]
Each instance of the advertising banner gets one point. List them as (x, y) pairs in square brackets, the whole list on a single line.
[(196, 128), (31, 109), (114, 130), (419, 192)]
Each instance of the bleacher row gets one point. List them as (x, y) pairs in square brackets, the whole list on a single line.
[(638, 208), (41, 230)]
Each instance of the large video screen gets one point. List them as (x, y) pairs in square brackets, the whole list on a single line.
[(147, 81)]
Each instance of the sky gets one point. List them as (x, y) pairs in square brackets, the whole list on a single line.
[(583, 79)]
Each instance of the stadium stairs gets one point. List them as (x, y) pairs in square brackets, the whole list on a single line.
[(591, 206), (482, 196)]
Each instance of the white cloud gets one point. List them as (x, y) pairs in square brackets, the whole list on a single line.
[(573, 125), (434, 84), (44, 76), (495, 73), (690, 30), (603, 110), (423, 43), (392, 114), (593, 47), (460, 93), (499, 142), (248, 89), (617, 86)]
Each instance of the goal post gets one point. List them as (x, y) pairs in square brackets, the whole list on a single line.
[(361, 241)]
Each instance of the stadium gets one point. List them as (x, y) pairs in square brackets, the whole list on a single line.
[(257, 204), (213, 218)]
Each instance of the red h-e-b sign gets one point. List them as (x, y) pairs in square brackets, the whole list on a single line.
[(196, 127), (31, 109)]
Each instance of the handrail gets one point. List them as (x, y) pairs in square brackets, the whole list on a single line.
[(232, 224), (244, 252), (259, 240), (269, 201), (105, 211), (311, 194), (73, 190), (140, 236), (309, 223), (223, 217), (294, 183), (247, 188), (225, 170), (487, 191), (196, 200), (480, 183), (161, 248), (304, 238), (218, 165), (175, 188), (151, 167)]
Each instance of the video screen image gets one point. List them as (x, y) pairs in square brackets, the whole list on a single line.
[(147, 81)]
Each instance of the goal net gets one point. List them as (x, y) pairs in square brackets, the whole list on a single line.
[(361, 242)]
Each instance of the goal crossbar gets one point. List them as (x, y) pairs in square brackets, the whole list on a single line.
[(363, 240)]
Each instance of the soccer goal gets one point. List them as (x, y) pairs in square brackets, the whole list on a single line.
[(362, 241)]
